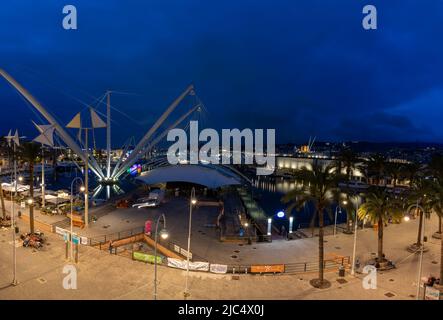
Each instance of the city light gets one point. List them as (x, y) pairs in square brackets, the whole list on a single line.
[(280, 214), (164, 234)]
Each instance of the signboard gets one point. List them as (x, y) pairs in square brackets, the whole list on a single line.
[(22, 205), (148, 227), (60, 231), (66, 236), (431, 293), (274, 268), (84, 240), (75, 239), (144, 257)]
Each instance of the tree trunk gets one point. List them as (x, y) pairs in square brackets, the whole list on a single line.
[(420, 227), (321, 257), (2, 198), (439, 224), (31, 194), (380, 239), (348, 220)]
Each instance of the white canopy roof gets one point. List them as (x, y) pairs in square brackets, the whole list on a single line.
[(10, 187), (199, 174)]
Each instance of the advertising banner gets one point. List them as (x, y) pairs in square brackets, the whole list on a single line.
[(218, 268), (274, 268), (144, 257), (181, 264), (432, 293)]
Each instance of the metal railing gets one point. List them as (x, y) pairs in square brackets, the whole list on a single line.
[(99, 240)]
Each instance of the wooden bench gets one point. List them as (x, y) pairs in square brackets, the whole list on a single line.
[(77, 220)]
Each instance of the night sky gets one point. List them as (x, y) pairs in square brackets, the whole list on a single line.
[(303, 67)]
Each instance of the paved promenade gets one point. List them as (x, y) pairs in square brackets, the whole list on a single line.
[(105, 276)]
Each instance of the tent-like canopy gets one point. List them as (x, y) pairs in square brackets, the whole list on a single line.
[(199, 174), (10, 187)]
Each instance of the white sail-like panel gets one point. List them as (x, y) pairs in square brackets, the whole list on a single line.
[(97, 122), (75, 122)]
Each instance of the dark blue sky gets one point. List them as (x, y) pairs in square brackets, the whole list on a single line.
[(304, 67)]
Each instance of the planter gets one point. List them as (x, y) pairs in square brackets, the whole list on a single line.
[(436, 235), (415, 248)]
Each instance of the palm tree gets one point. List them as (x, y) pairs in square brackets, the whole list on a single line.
[(347, 159), (319, 186), (29, 153), (394, 170), (411, 171), (436, 202), (378, 208), (3, 148), (421, 197), (2, 199), (376, 165), (435, 169)]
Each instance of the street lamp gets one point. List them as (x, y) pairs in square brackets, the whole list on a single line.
[(339, 211), (82, 189), (20, 179), (269, 226), (193, 202), (422, 247), (164, 235), (291, 223), (354, 249)]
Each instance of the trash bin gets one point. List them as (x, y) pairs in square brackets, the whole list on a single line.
[(341, 271), (17, 230)]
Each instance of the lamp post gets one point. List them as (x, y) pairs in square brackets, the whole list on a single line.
[(164, 235), (354, 249), (291, 224), (193, 202), (14, 248), (339, 211), (82, 189), (422, 247)]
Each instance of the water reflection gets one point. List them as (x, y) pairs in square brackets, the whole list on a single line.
[(269, 190), (284, 185)]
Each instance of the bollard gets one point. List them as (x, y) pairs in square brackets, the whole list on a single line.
[(76, 253), (341, 271)]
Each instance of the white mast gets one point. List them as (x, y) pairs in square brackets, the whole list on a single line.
[(43, 177), (108, 135), (86, 180)]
